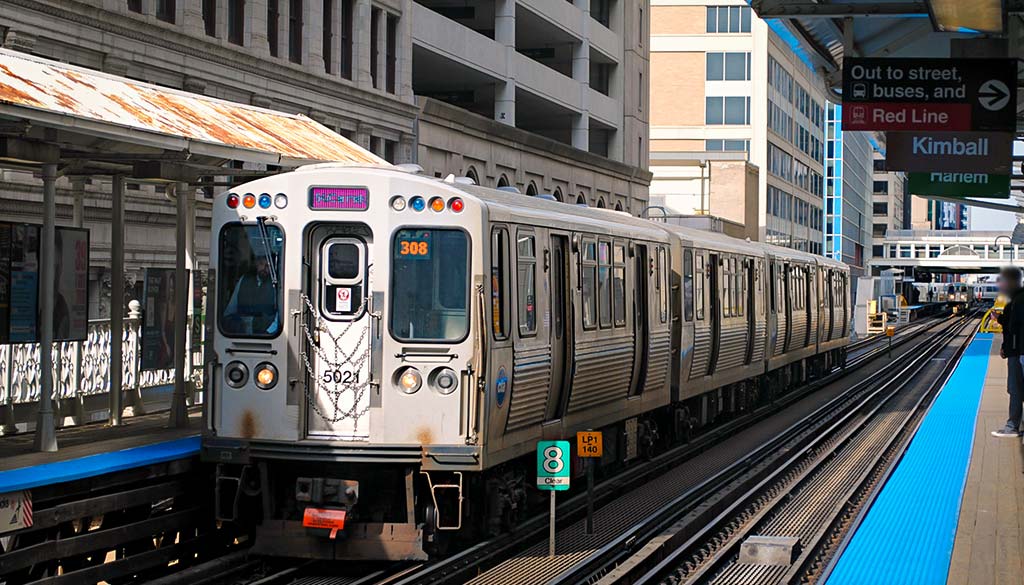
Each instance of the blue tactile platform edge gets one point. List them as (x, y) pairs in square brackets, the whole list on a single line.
[(25, 478), (907, 535)]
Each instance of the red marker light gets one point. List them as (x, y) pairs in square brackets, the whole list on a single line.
[(456, 205), (232, 200), (249, 201)]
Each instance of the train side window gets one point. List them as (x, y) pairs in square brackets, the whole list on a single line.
[(588, 283), (662, 286), (688, 285), (619, 285), (698, 288), (526, 263), (499, 283), (771, 286), (604, 288)]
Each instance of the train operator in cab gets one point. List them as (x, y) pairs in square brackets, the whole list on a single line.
[(253, 304), (1012, 322)]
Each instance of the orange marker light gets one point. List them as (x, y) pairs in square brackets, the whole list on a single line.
[(456, 205), (249, 201), (437, 204), (265, 377)]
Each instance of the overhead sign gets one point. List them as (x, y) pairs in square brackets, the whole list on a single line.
[(553, 465), (589, 444), (949, 184), (969, 152), (930, 94)]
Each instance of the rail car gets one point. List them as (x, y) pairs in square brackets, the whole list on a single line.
[(960, 293), (387, 348), (986, 293)]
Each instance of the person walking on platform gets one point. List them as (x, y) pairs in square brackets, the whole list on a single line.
[(1012, 322)]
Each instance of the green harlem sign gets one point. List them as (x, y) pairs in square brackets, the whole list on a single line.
[(960, 184)]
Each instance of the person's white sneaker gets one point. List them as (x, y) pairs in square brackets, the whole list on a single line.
[(1006, 432)]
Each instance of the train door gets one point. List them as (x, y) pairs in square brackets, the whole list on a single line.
[(810, 303), (787, 304), (714, 271), (641, 312), (751, 301), (561, 330), (337, 330)]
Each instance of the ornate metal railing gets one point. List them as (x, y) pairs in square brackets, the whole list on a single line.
[(82, 368)]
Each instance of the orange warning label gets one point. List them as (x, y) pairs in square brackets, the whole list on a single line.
[(321, 518)]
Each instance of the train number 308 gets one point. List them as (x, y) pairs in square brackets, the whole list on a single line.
[(340, 377)]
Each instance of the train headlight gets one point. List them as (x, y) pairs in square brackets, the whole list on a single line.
[(266, 376), (236, 374), (398, 203), (444, 380), (280, 201), (409, 380), (418, 203)]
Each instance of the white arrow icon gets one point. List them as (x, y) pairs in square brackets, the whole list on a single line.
[(993, 95)]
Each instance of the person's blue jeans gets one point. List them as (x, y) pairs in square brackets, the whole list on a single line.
[(1015, 388)]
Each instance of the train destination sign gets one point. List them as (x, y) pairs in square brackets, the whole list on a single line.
[(948, 184), (930, 94), (968, 152)]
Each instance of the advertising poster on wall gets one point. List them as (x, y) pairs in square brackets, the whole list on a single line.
[(71, 285), (198, 290), (158, 319), (24, 288), (5, 281)]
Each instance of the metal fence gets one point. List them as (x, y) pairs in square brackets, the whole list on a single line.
[(81, 378)]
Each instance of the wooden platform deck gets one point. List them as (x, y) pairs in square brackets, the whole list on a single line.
[(85, 440), (989, 545)]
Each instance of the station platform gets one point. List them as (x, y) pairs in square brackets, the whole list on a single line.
[(91, 450), (952, 511)]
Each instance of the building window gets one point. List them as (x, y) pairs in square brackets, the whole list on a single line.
[(881, 187), (327, 48), (236, 22), (728, 19), (717, 145), (347, 17), (531, 189), (730, 110), (209, 17), (728, 66), (374, 44), (273, 21), (392, 52), (135, 6), (295, 31), (165, 10), (880, 208)]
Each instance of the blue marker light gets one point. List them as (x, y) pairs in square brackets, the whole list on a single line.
[(265, 201), (418, 203)]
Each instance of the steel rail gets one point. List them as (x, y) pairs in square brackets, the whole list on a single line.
[(623, 546)]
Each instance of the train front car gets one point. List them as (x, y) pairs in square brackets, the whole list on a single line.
[(342, 317)]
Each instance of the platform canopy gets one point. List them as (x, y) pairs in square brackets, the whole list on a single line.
[(120, 120)]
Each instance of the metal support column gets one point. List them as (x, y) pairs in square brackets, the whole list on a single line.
[(179, 410), (46, 436), (116, 298)]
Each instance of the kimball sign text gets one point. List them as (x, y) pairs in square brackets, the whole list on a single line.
[(964, 152)]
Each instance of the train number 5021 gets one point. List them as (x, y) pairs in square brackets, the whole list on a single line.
[(340, 377)]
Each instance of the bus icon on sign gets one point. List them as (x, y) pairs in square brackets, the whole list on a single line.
[(860, 91)]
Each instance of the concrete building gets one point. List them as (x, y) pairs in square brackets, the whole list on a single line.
[(848, 201), (543, 96), (725, 85), (890, 202)]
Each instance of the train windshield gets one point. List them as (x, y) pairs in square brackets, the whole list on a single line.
[(249, 291), (430, 285)]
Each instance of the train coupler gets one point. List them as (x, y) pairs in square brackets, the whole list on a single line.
[(332, 501)]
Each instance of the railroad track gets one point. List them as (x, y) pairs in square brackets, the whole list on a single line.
[(243, 569), (805, 484)]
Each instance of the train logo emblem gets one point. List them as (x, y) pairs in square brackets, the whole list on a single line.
[(500, 386)]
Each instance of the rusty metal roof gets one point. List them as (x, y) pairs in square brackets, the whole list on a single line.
[(48, 87)]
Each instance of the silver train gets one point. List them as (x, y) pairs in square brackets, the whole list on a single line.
[(387, 349)]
